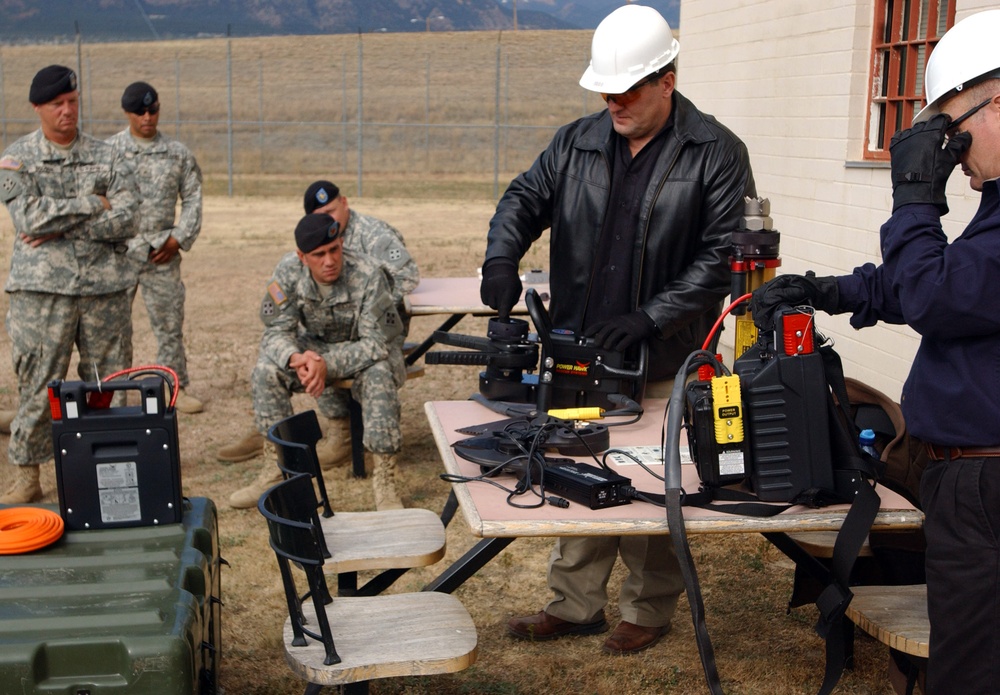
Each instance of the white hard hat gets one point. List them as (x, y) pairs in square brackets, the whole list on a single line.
[(630, 43), (967, 51)]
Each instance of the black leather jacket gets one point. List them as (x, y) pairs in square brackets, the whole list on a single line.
[(692, 205)]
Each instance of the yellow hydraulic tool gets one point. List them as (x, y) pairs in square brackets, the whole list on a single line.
[(753, 261)]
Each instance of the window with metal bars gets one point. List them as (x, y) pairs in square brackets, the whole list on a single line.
[(904, 33)]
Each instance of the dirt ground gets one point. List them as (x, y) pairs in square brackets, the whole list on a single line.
[(760, 647)]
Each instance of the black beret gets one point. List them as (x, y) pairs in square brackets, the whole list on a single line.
[(314, 230), (319, 194), (139, 96), (50, 82)]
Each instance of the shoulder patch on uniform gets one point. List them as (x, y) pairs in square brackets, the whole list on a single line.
[(384, 310), (9, 163), (11, 185), (277, 294)]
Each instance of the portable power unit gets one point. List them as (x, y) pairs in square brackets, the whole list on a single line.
[(116, 467)]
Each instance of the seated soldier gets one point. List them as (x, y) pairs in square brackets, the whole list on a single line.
[(329, 315), (383, 243)]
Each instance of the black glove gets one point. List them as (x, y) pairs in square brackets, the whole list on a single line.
[(923, 158), (501, 286), (622, 332), (793, 290)]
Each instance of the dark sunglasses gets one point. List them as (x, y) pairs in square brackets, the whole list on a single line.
[(961, 119), (630, 94), (153, 109)]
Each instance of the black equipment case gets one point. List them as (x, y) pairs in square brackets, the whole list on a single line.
[(115, 466), (129, 611)]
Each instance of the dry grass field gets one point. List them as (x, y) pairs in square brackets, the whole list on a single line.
[(746, 582)]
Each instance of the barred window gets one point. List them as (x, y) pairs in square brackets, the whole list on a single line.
[(903, 34)]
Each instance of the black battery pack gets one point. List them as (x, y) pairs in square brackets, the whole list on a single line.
[(587, 485), (116, 467), (786, 400)]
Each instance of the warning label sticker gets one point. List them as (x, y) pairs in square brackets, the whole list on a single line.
[(118, 491)]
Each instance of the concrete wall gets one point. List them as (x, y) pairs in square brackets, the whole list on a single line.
[(790, 77)]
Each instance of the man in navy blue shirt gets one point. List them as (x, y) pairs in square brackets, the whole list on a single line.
[(949, 293)]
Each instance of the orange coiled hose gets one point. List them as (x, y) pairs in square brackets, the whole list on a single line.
[(24, 529)]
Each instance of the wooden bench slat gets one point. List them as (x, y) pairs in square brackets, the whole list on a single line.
[(371, 540), (894, 615), (387, 636)]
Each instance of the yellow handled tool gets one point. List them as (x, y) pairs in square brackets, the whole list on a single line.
[(589, 413)]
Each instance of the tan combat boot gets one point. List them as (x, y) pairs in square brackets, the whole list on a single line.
[(384, 482), (334, 449), (269, 476), (26, 487), (187, 403), (6, 418), (248, 447)]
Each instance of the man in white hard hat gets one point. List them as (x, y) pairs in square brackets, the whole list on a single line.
[(641, 199), (950, 294)]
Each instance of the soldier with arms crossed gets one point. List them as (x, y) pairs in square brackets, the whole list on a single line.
[(73, 201)]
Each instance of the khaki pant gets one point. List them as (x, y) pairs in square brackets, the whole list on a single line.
[(579, 569)]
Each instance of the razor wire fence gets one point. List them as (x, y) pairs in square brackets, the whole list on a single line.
[(454, 114)]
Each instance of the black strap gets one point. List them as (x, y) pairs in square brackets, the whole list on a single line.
[(746, 503), (852, 472), (678, 534), (850, 454), (833, 601)]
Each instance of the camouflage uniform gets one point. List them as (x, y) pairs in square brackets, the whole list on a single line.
[(69, 289), (165, 171), (384, 243), (351, 329), (380, 243)]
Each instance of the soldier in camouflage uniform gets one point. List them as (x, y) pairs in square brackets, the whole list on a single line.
[(328, 315), (382, 242), (73, 202), (165, 171), (368, 235)]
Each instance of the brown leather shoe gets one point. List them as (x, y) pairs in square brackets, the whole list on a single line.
[(542, 626), (629, 638)]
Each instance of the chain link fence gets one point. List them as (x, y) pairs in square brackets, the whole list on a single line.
[(453, 114)]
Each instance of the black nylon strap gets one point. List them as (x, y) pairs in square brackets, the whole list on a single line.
[(746, 503), (678, 534), (832, 624)]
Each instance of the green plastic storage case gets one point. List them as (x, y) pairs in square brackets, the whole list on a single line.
[(131, 611)]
